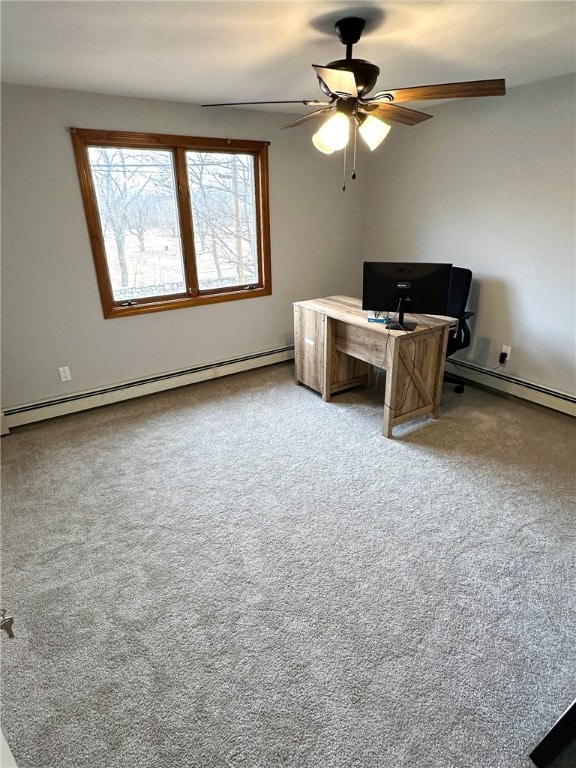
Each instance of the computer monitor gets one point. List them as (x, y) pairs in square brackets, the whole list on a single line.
[(398, 287)]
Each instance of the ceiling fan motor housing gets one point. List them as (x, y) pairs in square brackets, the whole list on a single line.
[(350, 29), (365, 74)]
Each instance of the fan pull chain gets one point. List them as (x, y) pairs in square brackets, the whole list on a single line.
[(353, 157), (355, 140)]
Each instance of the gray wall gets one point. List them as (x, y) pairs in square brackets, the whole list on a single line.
[(490, 184), (51, 312)]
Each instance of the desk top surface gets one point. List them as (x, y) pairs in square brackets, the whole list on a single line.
[(350, 310)]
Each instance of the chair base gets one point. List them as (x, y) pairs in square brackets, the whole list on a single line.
[(452, 379)]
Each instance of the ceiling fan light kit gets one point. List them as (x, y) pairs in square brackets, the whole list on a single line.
[(333, 134), (347, 82), (373, 131)]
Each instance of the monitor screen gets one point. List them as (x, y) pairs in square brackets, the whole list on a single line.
[(398, 287)]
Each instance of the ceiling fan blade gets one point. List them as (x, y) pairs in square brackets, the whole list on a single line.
[(306, 102), (340, 82), (305, 118), (396, 114), (445, 91)]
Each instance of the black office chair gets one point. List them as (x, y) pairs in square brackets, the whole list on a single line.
[(459, 338)]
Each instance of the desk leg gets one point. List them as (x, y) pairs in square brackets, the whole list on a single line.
[(387, 427), (440, 372), (390, 389), (329, 331)]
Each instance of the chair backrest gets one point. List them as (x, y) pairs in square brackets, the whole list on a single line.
[(459, 290)]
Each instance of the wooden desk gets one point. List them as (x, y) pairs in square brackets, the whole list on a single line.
[(336, 348)]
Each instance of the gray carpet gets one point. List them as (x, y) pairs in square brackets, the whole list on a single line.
[(236, 574)]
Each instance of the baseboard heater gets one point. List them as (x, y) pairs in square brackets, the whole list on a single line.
[(38, 411), (551, 398)]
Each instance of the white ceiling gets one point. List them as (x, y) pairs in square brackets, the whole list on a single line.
[(231, 50)]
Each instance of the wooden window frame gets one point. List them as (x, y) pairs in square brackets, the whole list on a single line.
[(83, 138)]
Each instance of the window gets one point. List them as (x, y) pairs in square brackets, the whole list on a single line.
[(174, 221)]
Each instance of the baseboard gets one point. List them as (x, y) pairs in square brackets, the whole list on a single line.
[(82, 401), (4, 429), (476, 374)]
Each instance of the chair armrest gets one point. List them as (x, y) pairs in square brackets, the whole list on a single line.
[(459, 338), (464, 330)]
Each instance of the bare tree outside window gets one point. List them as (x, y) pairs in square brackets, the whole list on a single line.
[(137, 205), (174, 221), (222, 200)]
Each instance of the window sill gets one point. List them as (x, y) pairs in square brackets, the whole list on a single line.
[(142, 306)]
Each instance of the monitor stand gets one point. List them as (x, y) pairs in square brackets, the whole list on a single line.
[(400, 325)]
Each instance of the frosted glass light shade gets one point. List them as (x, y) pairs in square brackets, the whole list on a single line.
[(333, 135), (373, 131), (320, 145)]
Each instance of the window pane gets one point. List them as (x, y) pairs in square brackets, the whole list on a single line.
[(137, 205), (222, 198)]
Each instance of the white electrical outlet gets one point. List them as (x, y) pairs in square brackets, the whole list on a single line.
[(506, 351), (65, 374)]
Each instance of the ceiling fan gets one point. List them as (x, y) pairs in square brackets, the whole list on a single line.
[(348, 82)]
